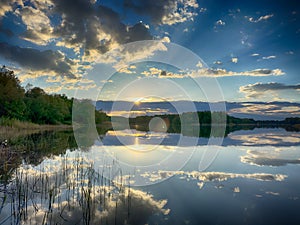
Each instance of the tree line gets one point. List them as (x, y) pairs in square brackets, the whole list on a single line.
[(33, 104)]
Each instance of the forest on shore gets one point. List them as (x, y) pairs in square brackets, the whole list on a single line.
[(34, 105)]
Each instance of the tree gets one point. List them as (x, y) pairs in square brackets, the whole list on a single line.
[(11, 95)]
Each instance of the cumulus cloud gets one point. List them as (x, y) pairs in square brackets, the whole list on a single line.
[(48, 61), (4, 7), (261, 18), (259, 89), (84, 26), (255, 54), (125, 55), (127, 70), (87, 28), (95, 28), (166, 12), (38, 25), (8, 5)]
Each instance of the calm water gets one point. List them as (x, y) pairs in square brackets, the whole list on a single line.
[(136, 177)]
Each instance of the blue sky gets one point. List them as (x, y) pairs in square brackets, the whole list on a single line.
[(251, 48)]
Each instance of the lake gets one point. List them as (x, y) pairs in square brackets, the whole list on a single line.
[(145, 177)]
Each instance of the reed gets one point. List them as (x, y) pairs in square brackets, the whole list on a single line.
[(46, 197)]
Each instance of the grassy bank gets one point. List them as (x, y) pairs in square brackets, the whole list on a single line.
[(12, 127)]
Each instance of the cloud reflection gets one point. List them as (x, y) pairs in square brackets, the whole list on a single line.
[(213, 176), (269, 158), (67, 190)]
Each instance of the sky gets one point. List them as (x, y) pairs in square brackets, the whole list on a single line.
[(163, 50)]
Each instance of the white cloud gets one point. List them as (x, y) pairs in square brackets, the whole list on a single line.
[(260, 89), (269, 57), (273, 158), (262, 18), (212, 72), (234, 60), (122, 56), (39, 30), (255, 54), (7, 6), (224, 73), (180, 11), (126, 70), (220, 23), (212, 176), (218, 62)]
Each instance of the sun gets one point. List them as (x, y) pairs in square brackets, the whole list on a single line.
[(137, 102)]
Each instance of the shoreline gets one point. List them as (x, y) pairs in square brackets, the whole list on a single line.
[(8, 132)]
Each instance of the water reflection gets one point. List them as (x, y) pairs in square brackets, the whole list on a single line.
[(33, 148), (255, 137), (49, 179), (67, 190)]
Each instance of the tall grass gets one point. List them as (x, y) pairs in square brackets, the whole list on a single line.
[(69, 190)]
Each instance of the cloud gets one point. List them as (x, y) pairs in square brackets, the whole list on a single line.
[(269, 57), (212, 72), (168, 12), (259, 89), (48, 61), (123, 56), (39, 30), (127, 70), (260, 139), (105, 202), (5, 7), (255, 54), (264, 158), (273, 110), (212, 176), (272, 193), (234, 59), (220, 23), (89, 29), (289, 53), (224, 73), (262, 18), (8, 5), (95, 28), (245, 39), (84, 26), (218, 62)]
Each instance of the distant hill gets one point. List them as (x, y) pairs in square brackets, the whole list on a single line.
[(252, 110)]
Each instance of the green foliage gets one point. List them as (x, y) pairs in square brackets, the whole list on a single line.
[(11, 95), (47, 109), (36, 106)]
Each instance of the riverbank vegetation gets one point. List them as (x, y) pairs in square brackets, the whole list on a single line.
[(25, 108)]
